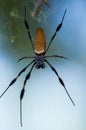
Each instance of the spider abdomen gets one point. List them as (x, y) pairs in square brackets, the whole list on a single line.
[(39, 42)]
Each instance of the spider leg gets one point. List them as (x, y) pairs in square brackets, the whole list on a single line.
[(23, 91), (57, 56), (57, 30), (25, 58), (60, 80), (28, 29), (14, 80)]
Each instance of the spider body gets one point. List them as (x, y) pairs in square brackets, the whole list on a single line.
[(39, 48), (39, 60)]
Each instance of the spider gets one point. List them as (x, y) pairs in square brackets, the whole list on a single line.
[(39, 60)]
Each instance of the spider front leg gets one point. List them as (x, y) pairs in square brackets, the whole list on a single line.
[(57, 30), (23, 91), (60, 80), (28, 29)]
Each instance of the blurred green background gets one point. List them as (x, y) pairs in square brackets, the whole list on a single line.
[(45, 104)]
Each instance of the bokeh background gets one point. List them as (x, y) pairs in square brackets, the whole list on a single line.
[(45, 104)]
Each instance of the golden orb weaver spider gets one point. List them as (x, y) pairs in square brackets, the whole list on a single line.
[(39, 48)]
